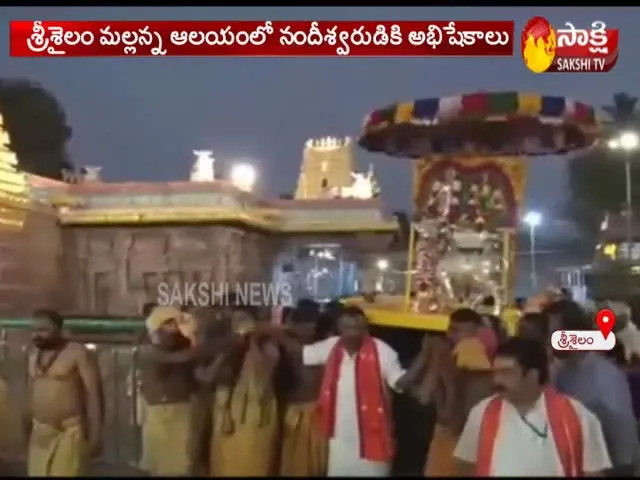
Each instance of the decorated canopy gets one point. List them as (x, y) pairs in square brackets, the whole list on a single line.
[(500, 123)]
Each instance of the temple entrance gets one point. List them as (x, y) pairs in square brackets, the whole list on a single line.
[(321, 271)]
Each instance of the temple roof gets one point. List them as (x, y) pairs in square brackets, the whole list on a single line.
[(134, 189), (36, 181), (97, 202)]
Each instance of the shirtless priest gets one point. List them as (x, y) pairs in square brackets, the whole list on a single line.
[(64, 418)]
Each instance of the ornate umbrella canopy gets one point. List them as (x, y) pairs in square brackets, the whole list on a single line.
[(489, 124)]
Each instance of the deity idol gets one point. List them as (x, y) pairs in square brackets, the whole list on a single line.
[(444, 199)]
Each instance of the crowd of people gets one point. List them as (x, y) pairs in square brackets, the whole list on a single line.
[(228, 392)]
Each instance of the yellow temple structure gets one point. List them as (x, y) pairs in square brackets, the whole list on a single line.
[(14, 187), (29, 239), (327, 164)]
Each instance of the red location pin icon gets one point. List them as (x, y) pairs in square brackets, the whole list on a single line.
[(605, 319)]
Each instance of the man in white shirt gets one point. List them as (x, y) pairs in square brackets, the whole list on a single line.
[(600, 385), (354, 406), (529, 429)]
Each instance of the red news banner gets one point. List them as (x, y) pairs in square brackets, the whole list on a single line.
[(255, 39)]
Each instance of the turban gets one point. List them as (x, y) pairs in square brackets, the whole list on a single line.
[(187, 326), (161, 315)]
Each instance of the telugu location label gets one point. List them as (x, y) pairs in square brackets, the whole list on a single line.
[(585, 340), (602, 339), (568, 49)]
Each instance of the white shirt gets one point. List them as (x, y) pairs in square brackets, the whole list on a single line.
[(344, 447), (519, 451)]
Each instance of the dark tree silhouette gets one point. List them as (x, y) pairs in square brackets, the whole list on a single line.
[(37, 125), (596, 178)]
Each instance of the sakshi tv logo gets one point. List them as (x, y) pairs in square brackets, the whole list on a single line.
[(569, 49)]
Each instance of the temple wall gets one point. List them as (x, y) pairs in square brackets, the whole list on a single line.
[(115, 270), (30, 265)]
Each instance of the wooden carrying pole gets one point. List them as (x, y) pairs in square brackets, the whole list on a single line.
[(409, 272)]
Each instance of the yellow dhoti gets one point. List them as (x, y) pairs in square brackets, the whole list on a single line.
[(304, 450), (166, 439), (245, 434), (57, 451), (440, 461)]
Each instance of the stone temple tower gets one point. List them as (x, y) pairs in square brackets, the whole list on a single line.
[(327, 163)]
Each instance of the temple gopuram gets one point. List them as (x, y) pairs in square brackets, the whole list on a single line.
[(90, 247)]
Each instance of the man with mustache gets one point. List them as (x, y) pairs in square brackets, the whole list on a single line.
[(529, 429), (354, 412), (65, 410), (600, 385), (168, 383)]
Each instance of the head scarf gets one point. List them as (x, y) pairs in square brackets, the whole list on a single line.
[(161, 315), (187, 326)]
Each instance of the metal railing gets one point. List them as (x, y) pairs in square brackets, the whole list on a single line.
[(118, 366)]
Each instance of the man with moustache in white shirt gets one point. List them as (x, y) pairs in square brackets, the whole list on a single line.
[(529, 429)]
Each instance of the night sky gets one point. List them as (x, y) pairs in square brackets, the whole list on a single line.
[(140, 118)]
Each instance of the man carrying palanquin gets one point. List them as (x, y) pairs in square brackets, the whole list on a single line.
[(304, 449), (528, 428), (245, 416), (459, 376), (211, 334), (167, 371), (354, 411)]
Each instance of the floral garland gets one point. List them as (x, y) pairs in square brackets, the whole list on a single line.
[(425, 280)]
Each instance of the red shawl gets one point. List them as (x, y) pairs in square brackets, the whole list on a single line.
[(374, 415)]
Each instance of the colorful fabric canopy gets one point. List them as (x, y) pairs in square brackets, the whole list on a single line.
[(483, 106)]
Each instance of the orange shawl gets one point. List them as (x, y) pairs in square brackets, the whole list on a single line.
[(564, 425), (374, 416)]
